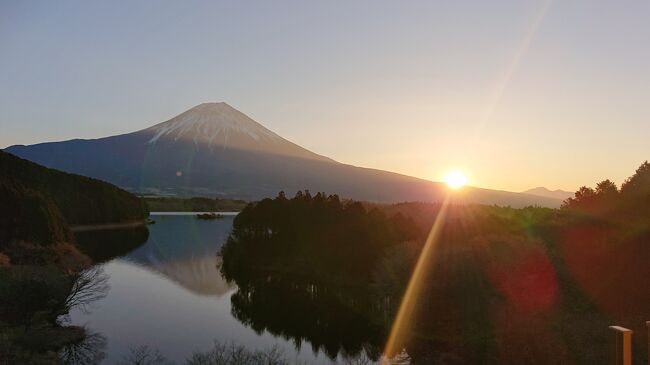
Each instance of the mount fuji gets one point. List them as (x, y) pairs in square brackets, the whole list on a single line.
[(215, 150)]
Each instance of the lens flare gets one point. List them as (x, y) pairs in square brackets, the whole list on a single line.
[(400, 330)]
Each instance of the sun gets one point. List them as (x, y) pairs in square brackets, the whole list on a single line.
[(455, 180)]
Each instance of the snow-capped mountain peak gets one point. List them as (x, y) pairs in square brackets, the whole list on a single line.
[(220, 126), (210, 123)]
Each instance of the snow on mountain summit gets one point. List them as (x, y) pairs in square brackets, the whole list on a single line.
[(210, 123), (220, 126)]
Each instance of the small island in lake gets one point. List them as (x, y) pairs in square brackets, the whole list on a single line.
[(194, 204), (209, 216)]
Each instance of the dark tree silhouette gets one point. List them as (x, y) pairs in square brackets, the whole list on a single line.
[(88, 287), (639, 183), (89, 351), (609, 203), (585, 197), (317, 236), (606, 188)]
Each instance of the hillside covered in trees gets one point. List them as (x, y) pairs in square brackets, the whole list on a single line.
[(308, 234), (43, 272), (502, 286), (81, 200)]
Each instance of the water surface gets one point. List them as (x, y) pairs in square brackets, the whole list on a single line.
[(168, 294)]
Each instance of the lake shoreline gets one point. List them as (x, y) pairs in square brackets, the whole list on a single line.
[(193, 213), (139, 223), (107, 226)]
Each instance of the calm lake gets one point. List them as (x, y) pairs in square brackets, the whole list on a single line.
[(168, 294)]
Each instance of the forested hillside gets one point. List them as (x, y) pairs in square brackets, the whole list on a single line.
[(81, 200), (499, 286), (43, 274)]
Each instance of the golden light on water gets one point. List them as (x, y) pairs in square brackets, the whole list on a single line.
[(456, 180)]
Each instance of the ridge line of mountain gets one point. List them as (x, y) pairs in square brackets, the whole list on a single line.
[(214, 151)]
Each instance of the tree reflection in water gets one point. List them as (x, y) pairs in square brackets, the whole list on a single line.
[(86, 352), (332, 320), (304, 268), (89, 286)]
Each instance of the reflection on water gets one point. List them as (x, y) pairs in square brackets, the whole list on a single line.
[(105, 245), (326, 319), (184, 250), (168, 294), (87, 352)]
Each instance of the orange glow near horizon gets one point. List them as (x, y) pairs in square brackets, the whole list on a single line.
[(455, 180)]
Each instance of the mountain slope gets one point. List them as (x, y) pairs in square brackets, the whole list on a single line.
[(218, 125), (215, 150), (555, 194)]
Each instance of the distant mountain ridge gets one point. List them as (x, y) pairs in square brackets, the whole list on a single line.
[(555, 194), (215, 150)]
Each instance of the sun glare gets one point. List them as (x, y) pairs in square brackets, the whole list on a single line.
[(456, 179)]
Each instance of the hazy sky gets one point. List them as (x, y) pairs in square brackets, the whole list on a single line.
[(516, 93)]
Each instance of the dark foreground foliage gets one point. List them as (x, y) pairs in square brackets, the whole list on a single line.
[(501, 285), (220, 354), (319, 238), (234, 354), (34, 301)]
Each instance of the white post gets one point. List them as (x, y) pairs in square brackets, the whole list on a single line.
[(623, 345), (647, 323)]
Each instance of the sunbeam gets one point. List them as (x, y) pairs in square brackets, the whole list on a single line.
[(503, 82), (401, 325)]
